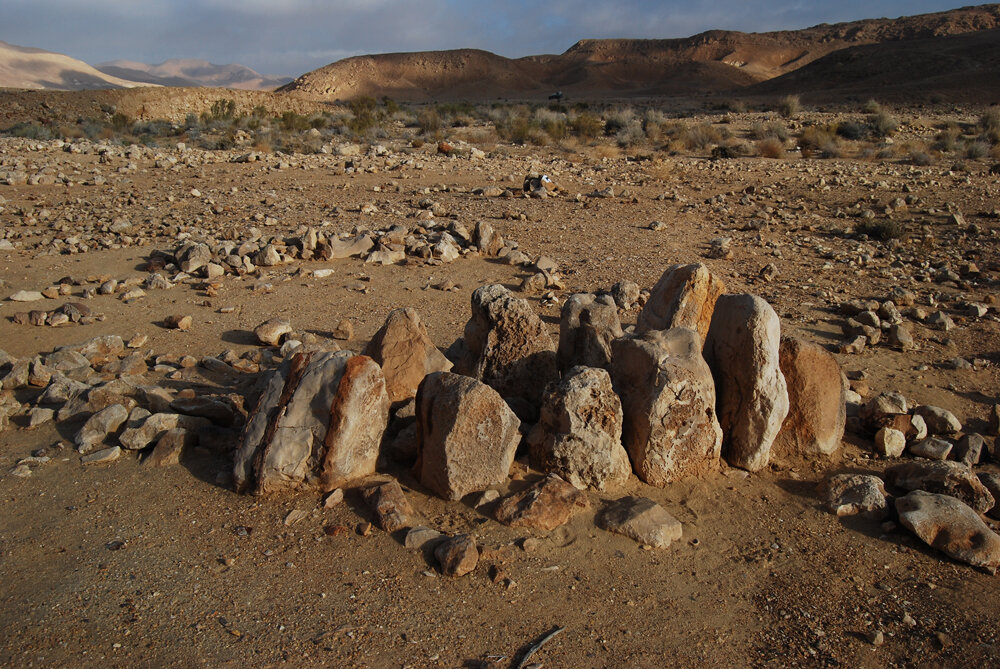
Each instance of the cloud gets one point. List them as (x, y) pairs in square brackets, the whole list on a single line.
[(294, 36)]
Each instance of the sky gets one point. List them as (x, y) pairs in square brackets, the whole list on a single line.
[(291, 37)]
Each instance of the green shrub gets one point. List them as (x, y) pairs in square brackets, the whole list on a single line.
[(28, 131), (586, 125), (882, 124), (852, 130)]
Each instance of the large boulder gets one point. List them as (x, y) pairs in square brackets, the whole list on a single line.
[(950, 526), (943, 478), (685, 296), (817, 400), (318, 424), (587, 327), (668, 402), (509, 347), (579, 433), (406, 353), (752, 398), (467, 435)]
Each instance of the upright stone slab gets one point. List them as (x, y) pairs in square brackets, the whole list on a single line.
[(510, 348), (586, 329), (318, 424), (406, 353), (752, 398), (579, 433), (668, 402), (685, 296), (467, 434), (817, 399)]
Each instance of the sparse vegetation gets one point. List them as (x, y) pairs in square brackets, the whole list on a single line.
[(772, 147), (789, 106), (882, 124), (882, 230)]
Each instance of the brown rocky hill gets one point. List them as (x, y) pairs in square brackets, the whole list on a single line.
[(189, 72), (713, 61), (25, 67)]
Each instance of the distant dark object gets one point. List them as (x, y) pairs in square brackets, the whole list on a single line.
[(995, 170), (557, 96)]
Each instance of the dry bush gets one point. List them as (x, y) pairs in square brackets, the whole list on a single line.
[(852, 130), (948, 139), (872, 107), (608, 151), (789, 106), (587, 125), (772, 130), (631, 135), (617, 120), (771, 147), (552, 122), (819, 141), (882, 124), (701, 136), (882, 230), (429, 121), (977, 150)]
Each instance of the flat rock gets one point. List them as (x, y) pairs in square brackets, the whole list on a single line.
[(931, 448), (467, 435), (943, 478), (139, 436), (100, 457), (668, 401), (545, 505), (270, 332), (944, 523), (939, 421), (579, 432), (751, 394), (421, 537), (817, 400), (170, 447), (26, 296), (406, 353), (640, 519), (855, 494), (99, 426)]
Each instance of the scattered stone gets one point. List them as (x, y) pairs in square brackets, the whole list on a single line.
[(625, 294), (752, 397), (642, 520), (945, 478), (578, 435), (938, 420), (269, 333), (170, 447), (969, 449), (143, 431), (406, 353), (102, 456), (99, 426), (855, 494), (333, 498), (26, 296), (545, 505), (890, 442), (421, 537), (390, 505), (467, 433), (457, 555), (931, 448), (991, 481), (951, 527), (668, 401)]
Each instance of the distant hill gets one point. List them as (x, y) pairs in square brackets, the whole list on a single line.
[(24, 67), (190, 73), (710, 62)]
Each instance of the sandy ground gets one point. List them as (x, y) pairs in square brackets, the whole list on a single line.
[(125, 565)]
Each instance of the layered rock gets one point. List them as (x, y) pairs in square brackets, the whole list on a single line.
[(319, 423), (668, 402), (587, 327), (752, 398), (406, 353), (685, 296), (817, 400), (467, 435), (579, 433)]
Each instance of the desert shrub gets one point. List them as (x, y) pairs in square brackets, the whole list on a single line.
[(882, 230), (773, 130), (819, 141), (701, 136), (772, 147), (989, 121), (947, 140), (918, 156), (429, 121), (731, 150), (121, 122), (789, 106), (363, 113), (852, 130), (293, 121), (586, 125), (735, 106), (977, 150), (872, 107), (618, 120), (553, 123), (882, 124), (520, 129), (222, 110), (632, 134), (28, 131)]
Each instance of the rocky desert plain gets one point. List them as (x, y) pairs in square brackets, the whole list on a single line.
[(364, 374)]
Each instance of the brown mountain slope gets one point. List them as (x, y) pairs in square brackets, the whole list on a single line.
[(188, 72), (709, 62), (25, 67), (960, 67)]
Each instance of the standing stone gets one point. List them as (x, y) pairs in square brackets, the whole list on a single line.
[(486, 239), (406, 353), (509, 346), (587, 327), (944, 478), (467, 433), (641, 519), (579, 433), (318, 424), (817, 400), (668, 401), (685, 296), (752, 398), (953, 528), (969, 449), (545, 505)]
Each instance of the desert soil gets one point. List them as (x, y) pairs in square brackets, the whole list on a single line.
[(126, 565)]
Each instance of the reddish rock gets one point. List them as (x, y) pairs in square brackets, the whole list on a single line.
[(390, 505), (457, 555), (950, 526), (685, 296), (545, 505), (817, 400), (406, 353)]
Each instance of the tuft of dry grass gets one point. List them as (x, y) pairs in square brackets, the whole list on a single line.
[(771, 148)]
